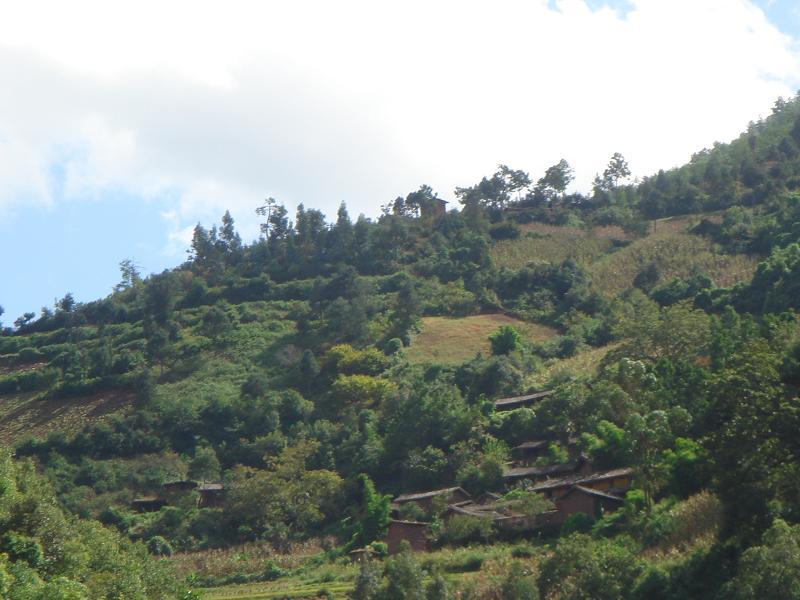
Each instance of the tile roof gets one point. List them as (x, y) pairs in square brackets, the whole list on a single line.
[(210, 487), (532, 445), (593, 492), (430, 494), (546, 471), (494, 511), (581, 479), (536, 444), (517, 400)]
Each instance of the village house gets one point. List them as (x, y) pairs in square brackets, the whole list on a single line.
[(414, 532), (520, 401), (425, 500), (148, 504), (581, 466), (212, 495), (434, 209), (580, 499), (500, 515), (361, 555), (179, 486), (487, 498), (174, 491), (528, 453), (614, 482)]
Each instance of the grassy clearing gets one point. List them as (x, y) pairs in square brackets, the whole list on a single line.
[(455, 340), (25, 415)]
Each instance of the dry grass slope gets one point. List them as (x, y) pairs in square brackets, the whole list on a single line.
[(455, 340)]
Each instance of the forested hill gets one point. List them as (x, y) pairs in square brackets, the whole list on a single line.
[(285, 389)]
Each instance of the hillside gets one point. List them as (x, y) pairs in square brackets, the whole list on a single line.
[(261, 411)]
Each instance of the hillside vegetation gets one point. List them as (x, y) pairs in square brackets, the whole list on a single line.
[(246, 418)]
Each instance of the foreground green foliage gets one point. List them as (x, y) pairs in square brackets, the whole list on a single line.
[(45, 553)]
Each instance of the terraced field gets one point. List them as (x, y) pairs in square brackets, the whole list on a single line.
[(677, 254), (615, 264), (550, 244), (288, 589), (310, 574), (25, 415)]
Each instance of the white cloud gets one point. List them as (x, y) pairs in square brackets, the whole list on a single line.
[(218, 105)]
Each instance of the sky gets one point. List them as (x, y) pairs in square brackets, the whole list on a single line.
[(123, 124)]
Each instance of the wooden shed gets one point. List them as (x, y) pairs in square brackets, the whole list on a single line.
[(527, 453)]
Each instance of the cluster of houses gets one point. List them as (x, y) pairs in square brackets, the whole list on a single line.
[(572, 486), (209, 495)]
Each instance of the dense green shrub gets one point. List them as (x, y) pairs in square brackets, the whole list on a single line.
[(577, 523), (581, 567), (505, 340), (465, 529), (519, 584), (772, 569), (29, 381)]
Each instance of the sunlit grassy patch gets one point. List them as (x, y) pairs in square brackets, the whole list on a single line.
[(455, 340), (584, 363)]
